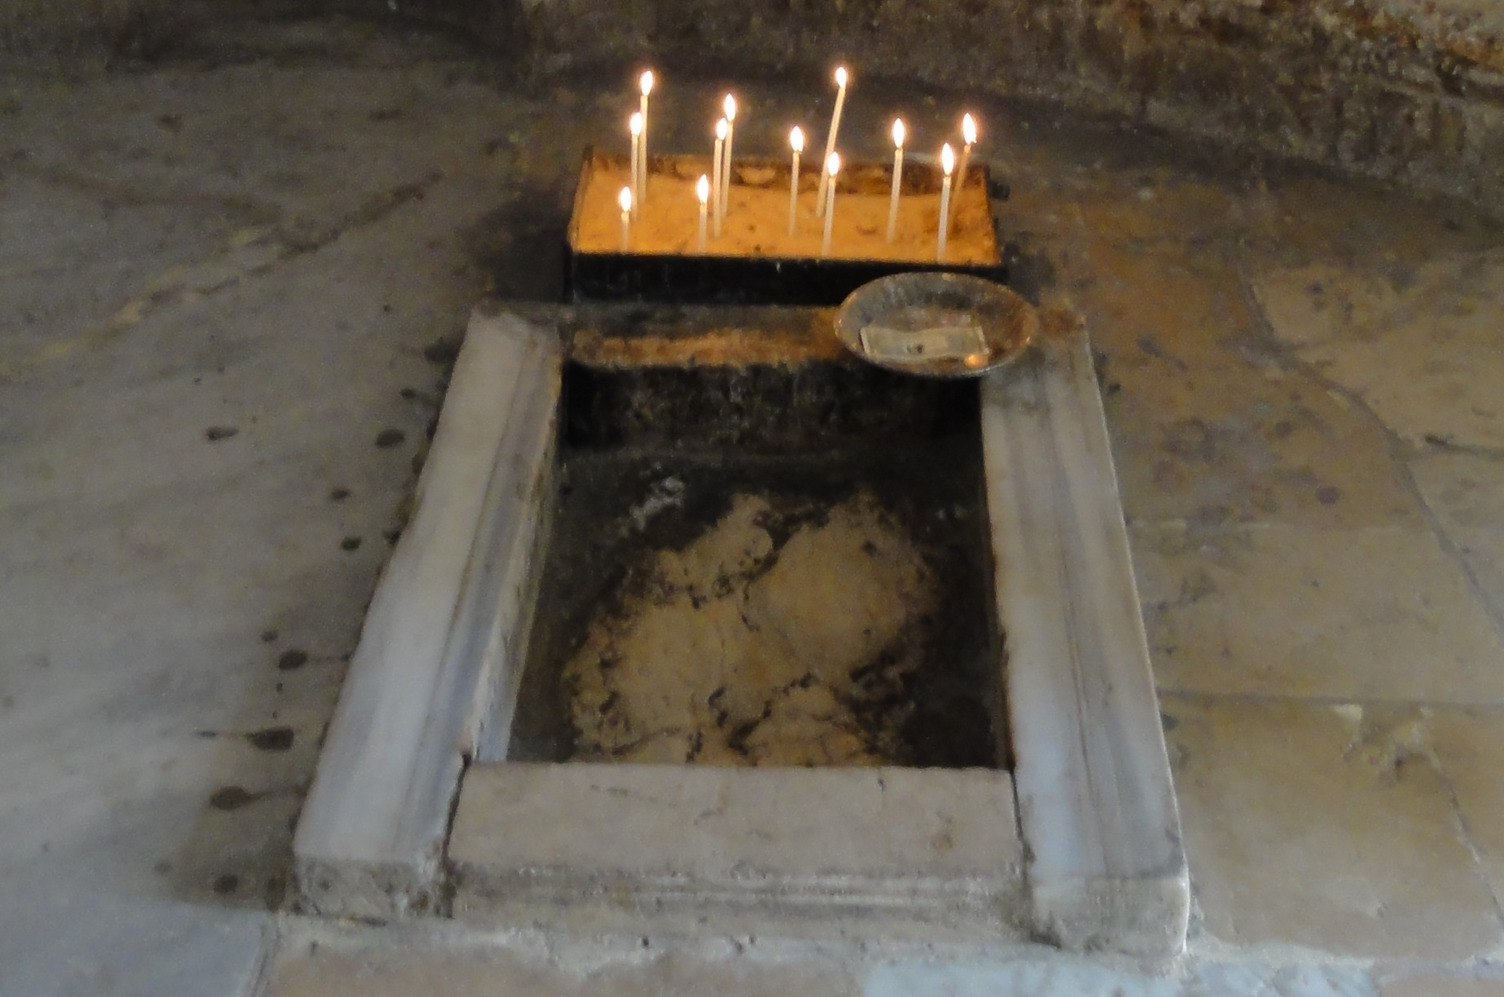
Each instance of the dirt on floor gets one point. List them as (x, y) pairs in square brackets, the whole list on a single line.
[(762, 617), (738, 649)]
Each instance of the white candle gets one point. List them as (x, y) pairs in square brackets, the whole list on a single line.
[(947, 163), (969, 135), (715, 171), (729, 106), (897, 177), (646, 84), (625, 200), (702, 191), (796, 141), (835, 126), (635, 127), (832, 167)]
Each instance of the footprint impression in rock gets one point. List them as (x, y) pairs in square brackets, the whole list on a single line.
[(739, 651)]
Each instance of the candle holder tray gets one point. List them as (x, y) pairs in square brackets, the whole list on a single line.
[(755, 261)]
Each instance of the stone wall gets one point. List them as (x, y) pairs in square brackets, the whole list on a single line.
[(1372, 87), (1398, 90), (73, 27)]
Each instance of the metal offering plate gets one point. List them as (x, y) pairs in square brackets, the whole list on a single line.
[(936, 324)]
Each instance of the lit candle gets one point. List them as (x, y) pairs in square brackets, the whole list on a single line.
[(702, 191), (969, 134), (796, 140), (646, 83), (835, 126), (947, 163), (625, 200), (897, 177), (832, 167), (729, 105), (721, 127), (635, 127)]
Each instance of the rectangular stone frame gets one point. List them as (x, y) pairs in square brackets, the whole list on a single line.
[(1095, 808)]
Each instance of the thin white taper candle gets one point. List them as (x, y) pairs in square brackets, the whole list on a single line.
[(832, 167), (969, 135), (702, 191), (635, 127), (625, 200), (898, 133), (715, 171), (835, 126), (947, 163), (796, 142), (729, 106), (645, 83)]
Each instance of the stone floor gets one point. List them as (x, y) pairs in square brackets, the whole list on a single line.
[(229, 291)]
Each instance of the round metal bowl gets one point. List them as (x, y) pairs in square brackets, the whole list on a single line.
[(936, 324)]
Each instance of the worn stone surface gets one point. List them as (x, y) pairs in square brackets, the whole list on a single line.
[(1469, 747), (809, 852), (1378, 613), (195, 378), (480, 974), (261, 217), (1011, 978), (1438, 985), (1325, 827), (1422, 346), (1466, 494), (1214, 979)]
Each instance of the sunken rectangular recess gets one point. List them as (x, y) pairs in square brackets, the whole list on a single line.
[(765, 564), (415, 807)]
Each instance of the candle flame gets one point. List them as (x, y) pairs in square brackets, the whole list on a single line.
[(702, 189), (646, 82), (721, 128), (898, 132), (730, 106), (635, 124), (625, 199), (833, 164), (969, 129), (796, 139), (947, 159), (841, 77)]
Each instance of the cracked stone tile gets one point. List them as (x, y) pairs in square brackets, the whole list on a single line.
[(1359, 613), (1423, 345), (1305, 827), (1208, 426), (1469, 745), (69, 262), (1466, 494), (1243, 444)]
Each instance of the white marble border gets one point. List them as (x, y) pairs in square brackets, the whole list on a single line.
[(1095, 798), (1101, 853), (440, 627)]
